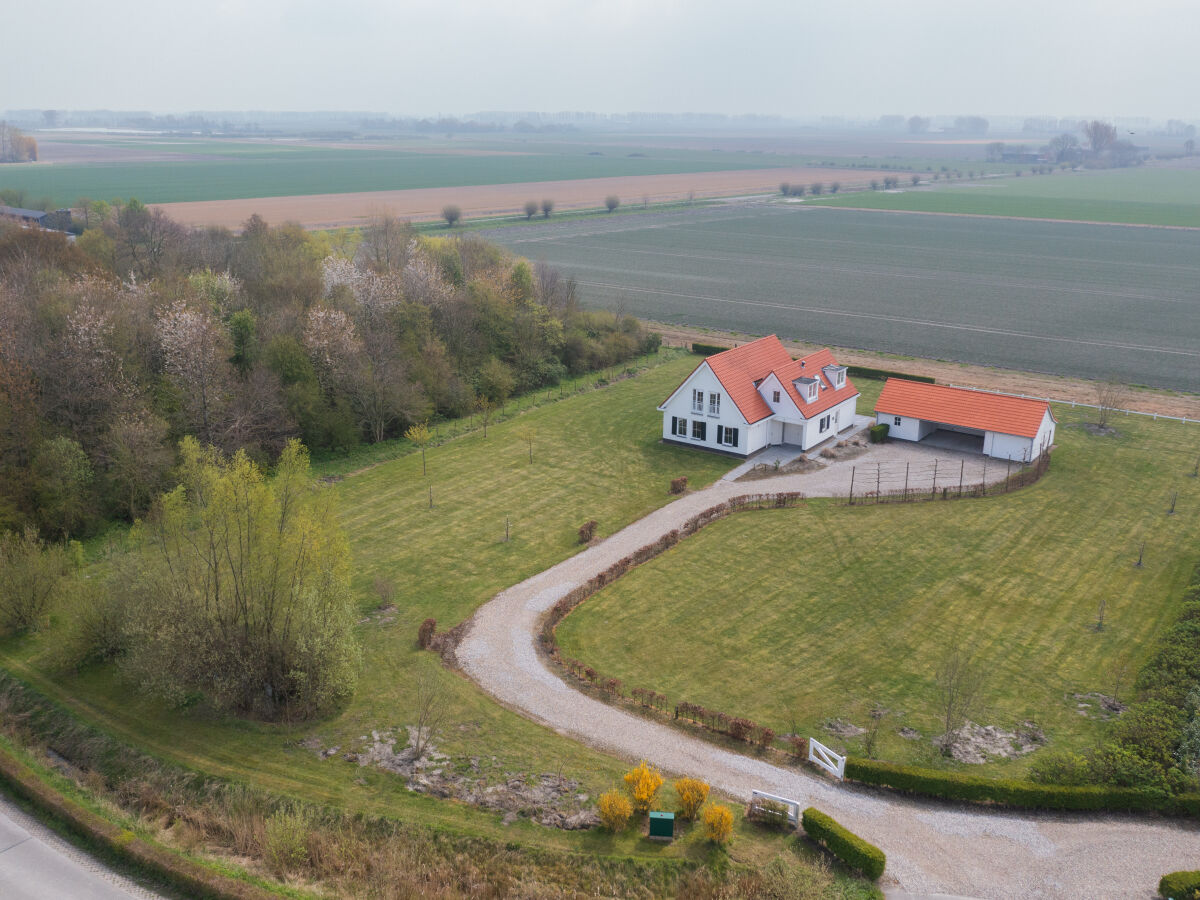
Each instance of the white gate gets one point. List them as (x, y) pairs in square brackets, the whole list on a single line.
[(825, 758)]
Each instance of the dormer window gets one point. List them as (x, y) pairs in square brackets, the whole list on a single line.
[(812, 391), (807, 388), (836, 375)]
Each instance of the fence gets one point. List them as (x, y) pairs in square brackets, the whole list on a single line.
[(910, 482)]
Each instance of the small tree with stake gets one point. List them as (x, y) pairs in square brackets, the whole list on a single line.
[(420, 435), (960, 686)]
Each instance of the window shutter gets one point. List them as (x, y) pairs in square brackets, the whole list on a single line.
[(674, 425), (720, 434), (734, 436)]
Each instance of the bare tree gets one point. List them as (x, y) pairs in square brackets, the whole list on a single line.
[(1099, 134), (485, 407), (916, 179), (385, 243), (1100, 613), (1110, 395), (878, 714), (531, 208), (527, 433), (431, 712), (547, 208), (451, 214), (960, 690), (611, 202)]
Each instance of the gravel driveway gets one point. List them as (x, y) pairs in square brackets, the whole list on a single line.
[(931, 847)]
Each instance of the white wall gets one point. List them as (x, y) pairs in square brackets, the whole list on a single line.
[(1008, 446), (1045, 435), (841, 417), (680, 405), (909, 429)]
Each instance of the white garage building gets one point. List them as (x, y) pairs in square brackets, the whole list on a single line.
[(998, 425)]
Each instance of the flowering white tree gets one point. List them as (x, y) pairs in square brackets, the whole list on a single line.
[(195, 349)]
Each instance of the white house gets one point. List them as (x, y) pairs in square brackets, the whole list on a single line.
[(756, 395), (998, 425)]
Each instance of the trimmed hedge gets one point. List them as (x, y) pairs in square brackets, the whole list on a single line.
[(1019, 794), (708, 349), (193, 878), (882, 374), (845, 845), (1180, 886), (878, 433)]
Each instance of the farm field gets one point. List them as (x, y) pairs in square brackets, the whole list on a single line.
[(797, 617), (1091, 301), (596, 455), (1144, 196), (172, 170)]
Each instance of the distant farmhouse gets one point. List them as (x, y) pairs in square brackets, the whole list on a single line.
[(741, 400), (59, 220), (998, 425)]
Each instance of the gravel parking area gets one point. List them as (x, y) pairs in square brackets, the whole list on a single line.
[(932, 848)]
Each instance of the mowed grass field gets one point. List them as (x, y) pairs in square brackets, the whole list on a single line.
[(226, 170), (1094, 301), (596, 455), (1135, 196), (795, 617)]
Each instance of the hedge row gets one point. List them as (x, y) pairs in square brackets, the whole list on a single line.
[(1021, 794), (1180, 886), (882, 374), (708, 349), (193, 878), (845, 845)]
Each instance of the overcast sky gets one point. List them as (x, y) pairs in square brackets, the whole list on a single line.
[(854, 58)]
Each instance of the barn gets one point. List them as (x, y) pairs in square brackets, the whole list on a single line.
[(998, 425)]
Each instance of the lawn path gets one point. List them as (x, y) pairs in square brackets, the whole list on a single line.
[(931, 847)]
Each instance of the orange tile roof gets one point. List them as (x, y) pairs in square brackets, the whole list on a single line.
[(813, 366), (963, 407), (738, 370)]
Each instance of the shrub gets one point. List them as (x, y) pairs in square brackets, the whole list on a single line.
[(285, 841), (32, 573), (425, 633), (643, 783), (718, 824), (615, 811), (1180, 886), (879, 433), (707, 349), (692, 792), (679, 485), (765, 737), (845, 845), (797, 745), (741, 729), (587, 531), (881, 374)]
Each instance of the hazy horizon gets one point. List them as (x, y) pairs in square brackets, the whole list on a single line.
[(423, 58)]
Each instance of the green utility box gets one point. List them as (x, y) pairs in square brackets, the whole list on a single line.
[(662, 826)]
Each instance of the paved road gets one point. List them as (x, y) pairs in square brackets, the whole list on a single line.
[(37, 864), (932, 848)]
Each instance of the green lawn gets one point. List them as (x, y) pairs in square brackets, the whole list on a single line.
[(596, 455), (814, 613), (1133, 196)]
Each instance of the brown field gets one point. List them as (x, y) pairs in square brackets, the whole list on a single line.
[(422, 204)]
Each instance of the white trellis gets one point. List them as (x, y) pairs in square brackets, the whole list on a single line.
[(825, 758), (793, 806)]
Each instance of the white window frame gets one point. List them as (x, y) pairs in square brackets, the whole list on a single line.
[(775, 396), (699, 425), (681, 427), (812, 391), (714, 404), (697, 400)]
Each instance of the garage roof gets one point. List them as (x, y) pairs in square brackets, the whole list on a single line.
[(1001, 413)]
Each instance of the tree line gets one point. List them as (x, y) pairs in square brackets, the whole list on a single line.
[(141, 332)]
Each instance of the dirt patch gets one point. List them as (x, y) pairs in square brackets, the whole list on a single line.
[(978, 744), (849, 448), (909, 734), (426, 204), (799, 466), (1099, 430), (1095, 705), (1055, 387), (842, 728), (548, 799)]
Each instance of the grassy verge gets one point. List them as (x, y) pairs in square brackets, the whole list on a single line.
[(841, 608)]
